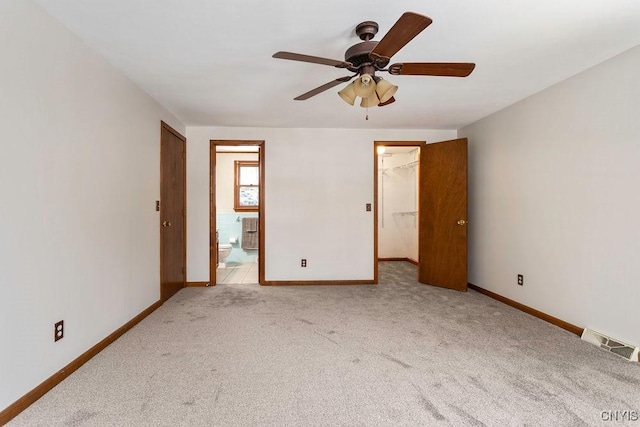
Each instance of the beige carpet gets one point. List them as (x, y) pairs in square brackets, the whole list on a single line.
[(396, 354)]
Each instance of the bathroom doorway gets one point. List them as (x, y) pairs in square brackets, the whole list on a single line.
[(236, 212)]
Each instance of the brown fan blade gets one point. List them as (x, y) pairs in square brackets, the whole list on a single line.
[(312, 59), (322, 88), (447, 69), (403, 31), (390, 101)]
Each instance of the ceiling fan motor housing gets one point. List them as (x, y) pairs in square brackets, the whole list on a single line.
[(358, 54)]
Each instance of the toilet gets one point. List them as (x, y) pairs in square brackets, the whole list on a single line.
[(224, 249)]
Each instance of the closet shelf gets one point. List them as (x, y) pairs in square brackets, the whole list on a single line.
[(405, 166), (412, 213)]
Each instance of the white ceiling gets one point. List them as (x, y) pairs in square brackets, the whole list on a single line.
[(209, 62)]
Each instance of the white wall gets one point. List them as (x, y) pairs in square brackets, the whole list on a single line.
[(553, 184), (225, 184), (398, 205), (317, 182), (79, 175)]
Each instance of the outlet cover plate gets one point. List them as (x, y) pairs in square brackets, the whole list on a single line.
[(58, 331)]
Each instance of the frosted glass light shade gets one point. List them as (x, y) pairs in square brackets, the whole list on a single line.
[(364, 86), (348, 94), (385, 90), (370, 102)]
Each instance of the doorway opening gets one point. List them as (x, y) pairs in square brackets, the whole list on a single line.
[(441, 210), (396, 169), (236, 220)]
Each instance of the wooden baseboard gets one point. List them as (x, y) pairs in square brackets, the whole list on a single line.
[(532, 311), (317, 282), (21, 404), (197, 284)]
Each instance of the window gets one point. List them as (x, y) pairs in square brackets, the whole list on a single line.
[(247, 185)]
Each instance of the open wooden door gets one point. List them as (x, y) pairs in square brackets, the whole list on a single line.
[(172, 212), (443, 214)]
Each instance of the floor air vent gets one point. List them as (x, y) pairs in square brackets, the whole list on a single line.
[(618, 347)]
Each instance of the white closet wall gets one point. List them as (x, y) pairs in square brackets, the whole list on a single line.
[(398, 205)]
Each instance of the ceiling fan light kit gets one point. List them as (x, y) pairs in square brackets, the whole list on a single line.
[(385, 90), (365, 58), (375, 92), (371, 101), (364, 86), (348, 94)]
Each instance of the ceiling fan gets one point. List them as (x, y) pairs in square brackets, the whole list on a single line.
[(365, 58)]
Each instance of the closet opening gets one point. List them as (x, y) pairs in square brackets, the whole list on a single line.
[(396, 169)]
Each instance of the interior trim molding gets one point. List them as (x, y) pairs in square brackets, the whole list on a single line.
[(532, 311), (318, 282), (377, 144), (198, 284), (25, 401), (213, 251)]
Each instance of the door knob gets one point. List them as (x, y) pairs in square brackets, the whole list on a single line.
[(166, 224), (461, 222)]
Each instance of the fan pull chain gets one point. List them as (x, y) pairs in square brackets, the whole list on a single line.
[(367, 116)]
